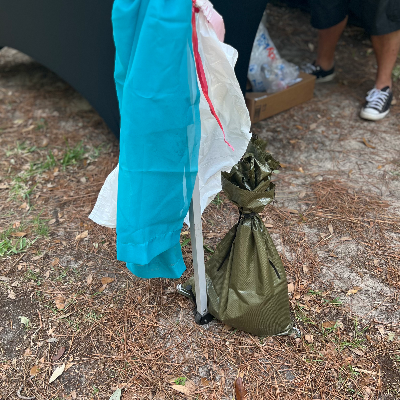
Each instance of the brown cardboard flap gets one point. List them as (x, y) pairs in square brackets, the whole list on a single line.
[(262, 106)]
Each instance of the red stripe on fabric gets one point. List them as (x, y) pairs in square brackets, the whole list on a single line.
[(201, 74)]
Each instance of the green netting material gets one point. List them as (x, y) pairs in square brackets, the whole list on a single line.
[(246, 281)]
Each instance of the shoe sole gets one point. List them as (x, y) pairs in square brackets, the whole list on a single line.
[(373, 117), (328, 78)]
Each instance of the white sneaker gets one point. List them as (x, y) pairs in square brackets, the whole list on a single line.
[(377, 104)]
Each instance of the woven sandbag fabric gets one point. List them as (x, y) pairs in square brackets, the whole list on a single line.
[(246, 280), (160, 132)]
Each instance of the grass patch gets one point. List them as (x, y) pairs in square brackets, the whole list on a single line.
[(42, 165), (41, 124), (185, 242), (40, 226), (11, 243), (92, 317), (218, 201), (73, 155), (20, 148), (31, 275), (19, 189), (358, 339), (180, 381), (10, 246)]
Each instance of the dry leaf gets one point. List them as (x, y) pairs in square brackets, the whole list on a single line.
[(73, 394), (34, 370), (329, 324), (290, 287), (379, 167), (4, 279), (60, 302), (305, 269), (38, 257), (47, 274), (24, 206), (187, 389), (52, 221), (367, 144), (313, 126), (106, 280), (376, 262), (4, 185), (302, 194), (330, 227), (19, 234), (89, 279), (309, 338), (59, 354), (57, 372), (345, 239), (16, 224), (354, 290), (82, 235), (269, 226), (55, 262), (301, 170), (11, 295), (101, 288), (205, 382), (240, 391), (27, 352), (357, 351)]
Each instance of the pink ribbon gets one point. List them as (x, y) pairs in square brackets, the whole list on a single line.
[(200, 70)]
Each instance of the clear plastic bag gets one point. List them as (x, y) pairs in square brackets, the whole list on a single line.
[(268, 72)]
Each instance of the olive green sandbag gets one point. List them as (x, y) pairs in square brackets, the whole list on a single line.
[(246, 281)]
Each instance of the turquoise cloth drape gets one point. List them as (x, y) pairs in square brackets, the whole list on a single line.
[(160, 132)]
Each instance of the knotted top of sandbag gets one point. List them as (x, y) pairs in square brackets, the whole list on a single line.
[(249, 185)]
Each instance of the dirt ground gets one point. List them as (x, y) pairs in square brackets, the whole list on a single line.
[(67, 304)]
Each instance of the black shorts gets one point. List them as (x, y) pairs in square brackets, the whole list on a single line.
[(378, 17)]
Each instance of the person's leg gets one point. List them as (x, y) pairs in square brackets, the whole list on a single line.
[(386, 48), (382, 20), (327, 41), (330, 18)]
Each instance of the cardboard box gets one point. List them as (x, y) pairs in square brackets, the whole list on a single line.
[(262, 106)]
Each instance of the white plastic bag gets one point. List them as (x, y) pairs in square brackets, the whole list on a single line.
[(215, 155), (268, 72)]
